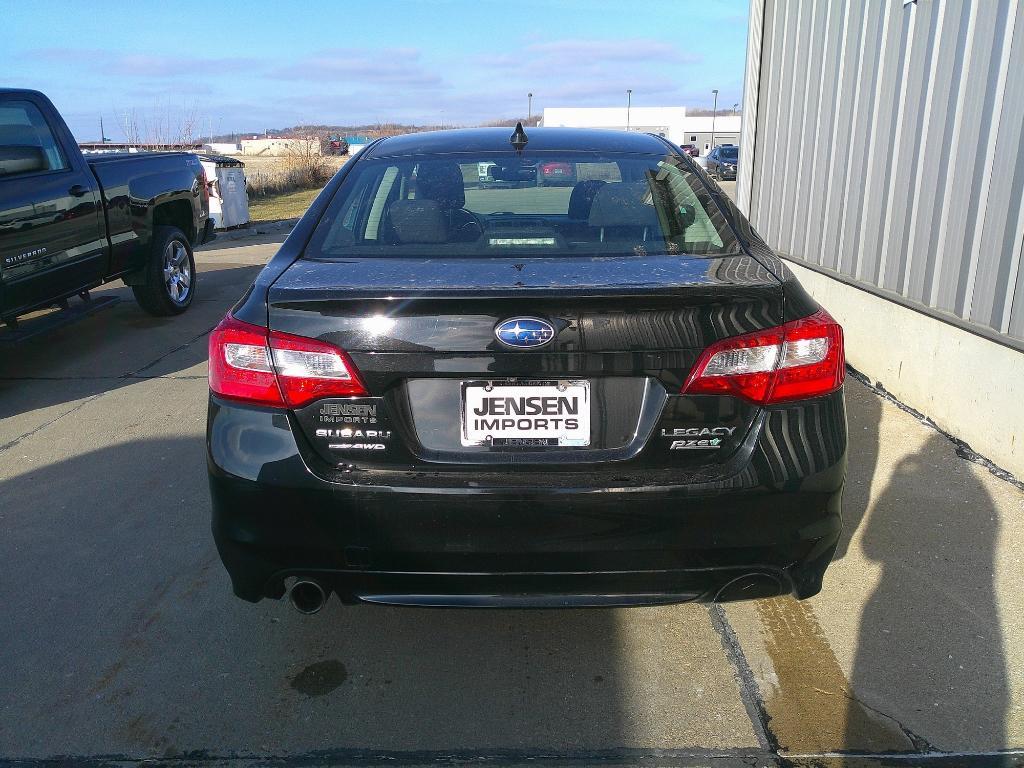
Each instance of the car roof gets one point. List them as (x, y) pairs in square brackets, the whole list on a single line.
[(539, 140), (20, 92)]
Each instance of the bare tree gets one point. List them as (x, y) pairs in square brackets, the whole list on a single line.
[(130, 127), (305, 158), (161, 127), (188, 128)]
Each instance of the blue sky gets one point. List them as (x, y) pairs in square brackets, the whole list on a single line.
[(254, 65)]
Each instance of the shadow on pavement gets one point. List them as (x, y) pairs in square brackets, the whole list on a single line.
[(925, 668), (806, 703), (930, 648), (223, 243), (115, 347), (122, 638), (864, 412)]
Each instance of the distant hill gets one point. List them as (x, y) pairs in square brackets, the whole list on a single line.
[(374, 130)]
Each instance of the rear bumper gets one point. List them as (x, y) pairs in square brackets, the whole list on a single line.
[(556, 539)]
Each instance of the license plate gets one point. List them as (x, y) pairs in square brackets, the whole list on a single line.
[(535, 414)]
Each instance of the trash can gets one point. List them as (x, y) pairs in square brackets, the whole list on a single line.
[(229, 200)]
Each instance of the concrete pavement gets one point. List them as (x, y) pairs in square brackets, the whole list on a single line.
[(121, 636)]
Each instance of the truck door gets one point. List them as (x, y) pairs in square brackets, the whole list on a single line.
[(52, 233)]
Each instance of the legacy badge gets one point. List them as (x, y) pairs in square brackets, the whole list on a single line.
[(700, 438)]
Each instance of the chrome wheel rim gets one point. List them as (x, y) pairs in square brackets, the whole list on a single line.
[(177, 272)]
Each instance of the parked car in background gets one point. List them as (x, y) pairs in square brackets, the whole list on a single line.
[(455, 393), (556, 173), (337, 145), (722, 161), (70, 222), (691, 150)]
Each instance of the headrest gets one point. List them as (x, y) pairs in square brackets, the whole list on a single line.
[(418, 221), (582, 198), (441, 181), (19, 133), (22, 159), (622, 204)]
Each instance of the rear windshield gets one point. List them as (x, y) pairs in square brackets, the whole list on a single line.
[(501, 204)]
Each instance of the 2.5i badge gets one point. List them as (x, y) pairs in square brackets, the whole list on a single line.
[(697, 438)]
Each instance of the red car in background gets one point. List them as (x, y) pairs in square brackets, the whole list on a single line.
[(691, 150), (555, 173)]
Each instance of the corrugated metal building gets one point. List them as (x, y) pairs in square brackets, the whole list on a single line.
[(882, 148)]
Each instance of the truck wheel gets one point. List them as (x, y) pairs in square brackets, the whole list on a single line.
[(170, 274)]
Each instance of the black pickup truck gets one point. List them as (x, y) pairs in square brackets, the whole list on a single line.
[(70, 222)]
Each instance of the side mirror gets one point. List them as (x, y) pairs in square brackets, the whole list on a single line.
[(17, 158), (687, 215)]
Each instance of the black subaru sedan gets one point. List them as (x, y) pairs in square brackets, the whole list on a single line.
[(456, 385)]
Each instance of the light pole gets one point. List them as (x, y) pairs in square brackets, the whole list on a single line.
[(714, 113), (529, 108), (629, 102)]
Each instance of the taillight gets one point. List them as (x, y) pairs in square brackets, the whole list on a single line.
[(277, 369), (204, 184), (240, 366), (800, 359), (308, 370)]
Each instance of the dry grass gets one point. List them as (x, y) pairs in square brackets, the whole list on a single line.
[(271, 176), (275, 207), (281, 188)]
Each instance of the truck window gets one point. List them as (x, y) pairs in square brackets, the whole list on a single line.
[(26, 143)]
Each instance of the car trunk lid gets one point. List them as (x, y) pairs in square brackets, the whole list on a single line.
[(626, 330)]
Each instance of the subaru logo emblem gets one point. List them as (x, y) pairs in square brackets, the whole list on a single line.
[(522, 332)]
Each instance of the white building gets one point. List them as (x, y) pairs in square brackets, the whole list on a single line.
[(280, 146), (671, 122), (699, 130), (223, 148)]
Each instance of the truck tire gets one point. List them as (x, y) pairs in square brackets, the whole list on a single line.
[(170, 274)]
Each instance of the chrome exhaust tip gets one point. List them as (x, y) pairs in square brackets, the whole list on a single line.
[(751, 586), (307, 596)]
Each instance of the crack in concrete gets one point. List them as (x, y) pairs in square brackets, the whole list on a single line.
[(507, 758), (963, 450), (92, 398), (54, 420), (749, 692), (164, 356), (513, 758), (921, 744), (811, 706)]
